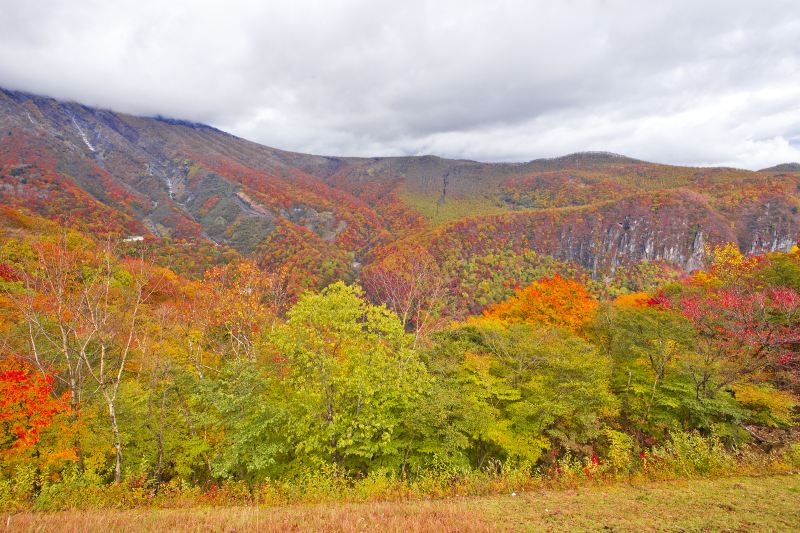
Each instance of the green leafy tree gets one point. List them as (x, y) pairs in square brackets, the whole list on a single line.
[(529, 390), (652, 351), (243, 402), (352, 377)]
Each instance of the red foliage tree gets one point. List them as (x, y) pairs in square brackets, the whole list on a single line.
[(7, 273), (27, 405), (743, 330)]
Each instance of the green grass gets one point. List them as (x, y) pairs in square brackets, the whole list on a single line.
[(452, 208), (728, 504)]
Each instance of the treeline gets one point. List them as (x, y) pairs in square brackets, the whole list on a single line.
[(114, 369)]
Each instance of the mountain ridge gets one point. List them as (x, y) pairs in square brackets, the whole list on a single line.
[(177, 181), (172, 120)]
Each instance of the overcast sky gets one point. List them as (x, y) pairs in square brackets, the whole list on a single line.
[(686, 82)]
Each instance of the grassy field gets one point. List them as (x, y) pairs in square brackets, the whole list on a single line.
[(730, 504)]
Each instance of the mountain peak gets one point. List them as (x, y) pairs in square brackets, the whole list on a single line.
[(187, 124), (590, 156), (783, 167)]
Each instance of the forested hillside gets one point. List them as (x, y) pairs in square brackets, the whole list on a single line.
[(201, 197)]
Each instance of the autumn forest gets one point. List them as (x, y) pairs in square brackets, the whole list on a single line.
[(186, 316)]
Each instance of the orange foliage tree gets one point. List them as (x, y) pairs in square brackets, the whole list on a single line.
[(553, 301), (243, 300), (634, 299)]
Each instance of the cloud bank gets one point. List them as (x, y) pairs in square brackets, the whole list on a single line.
[(683, 82)]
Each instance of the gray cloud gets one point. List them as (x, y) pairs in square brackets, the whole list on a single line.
[(713, 82)]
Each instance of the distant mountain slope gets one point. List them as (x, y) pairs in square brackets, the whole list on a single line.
[(173, 179), (783, 167), (181, 182)]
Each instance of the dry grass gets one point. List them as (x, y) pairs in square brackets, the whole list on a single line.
[(439, 515), (730, 504)]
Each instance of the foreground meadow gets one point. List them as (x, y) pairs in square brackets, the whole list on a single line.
[(728, 504)]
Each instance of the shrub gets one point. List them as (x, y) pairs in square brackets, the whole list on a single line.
[(689, 454), (793, 454), (619, 455)]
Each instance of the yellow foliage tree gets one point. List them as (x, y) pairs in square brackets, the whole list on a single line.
[(727, 265)]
